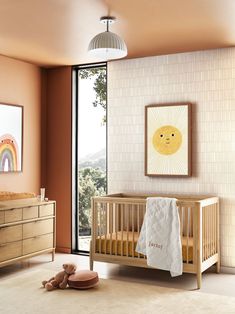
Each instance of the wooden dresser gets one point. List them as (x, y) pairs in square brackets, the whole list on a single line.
[(27, 228)]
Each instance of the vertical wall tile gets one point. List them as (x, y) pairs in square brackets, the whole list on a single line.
[(207, 80)]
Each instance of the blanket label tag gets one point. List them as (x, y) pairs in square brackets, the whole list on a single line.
[(155, 245)]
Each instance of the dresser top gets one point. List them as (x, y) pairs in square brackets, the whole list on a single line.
[(26, 202)]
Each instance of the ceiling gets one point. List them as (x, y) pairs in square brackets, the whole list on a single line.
[(57, 32)]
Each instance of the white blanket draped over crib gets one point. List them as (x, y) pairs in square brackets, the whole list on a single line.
[(160, 237)]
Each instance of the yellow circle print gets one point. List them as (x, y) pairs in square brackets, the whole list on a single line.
[(167, 140)]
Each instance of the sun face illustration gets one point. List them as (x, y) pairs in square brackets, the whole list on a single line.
[(167, 140)]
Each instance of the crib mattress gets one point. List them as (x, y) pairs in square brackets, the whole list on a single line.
[(121, 245)]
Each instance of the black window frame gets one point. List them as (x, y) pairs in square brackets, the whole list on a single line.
[(75, 154)]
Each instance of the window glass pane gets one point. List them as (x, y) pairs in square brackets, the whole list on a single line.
[(91, 146)]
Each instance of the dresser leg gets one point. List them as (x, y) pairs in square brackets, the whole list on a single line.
[(53, 256)]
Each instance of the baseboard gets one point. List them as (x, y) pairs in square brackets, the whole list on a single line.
[(227, 270), (63, 250)]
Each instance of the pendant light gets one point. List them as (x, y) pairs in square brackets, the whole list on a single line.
[(107, 45)]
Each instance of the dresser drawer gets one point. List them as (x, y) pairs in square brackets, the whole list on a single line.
[(10, 250), (1, 217), (30, 212), (46, 210), (10, 234), (12, 215), (38, 243), (38, 227)]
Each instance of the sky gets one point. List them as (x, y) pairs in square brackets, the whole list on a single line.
[(92, 134)]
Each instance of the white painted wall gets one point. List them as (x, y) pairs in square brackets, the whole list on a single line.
[(207, 80)]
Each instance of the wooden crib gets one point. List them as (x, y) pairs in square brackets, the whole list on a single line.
[(117, 220)]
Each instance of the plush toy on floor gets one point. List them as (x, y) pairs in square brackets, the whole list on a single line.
[(60, 280)]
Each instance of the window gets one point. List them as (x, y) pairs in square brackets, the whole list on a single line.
[(89, 173)]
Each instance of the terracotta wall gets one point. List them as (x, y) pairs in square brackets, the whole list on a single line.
[(57, 154), (20, 83)]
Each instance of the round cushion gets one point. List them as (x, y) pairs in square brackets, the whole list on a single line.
[(83, 279)]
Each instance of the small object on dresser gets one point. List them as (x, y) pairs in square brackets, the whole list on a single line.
[(42, 193)]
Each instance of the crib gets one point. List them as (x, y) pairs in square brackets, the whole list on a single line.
[(117, 220)]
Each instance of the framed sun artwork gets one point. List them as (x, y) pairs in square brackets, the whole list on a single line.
[(11, 138), (168, 140)]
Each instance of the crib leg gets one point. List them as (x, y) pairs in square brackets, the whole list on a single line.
[(199, 280), (218, 267), (91, 259)]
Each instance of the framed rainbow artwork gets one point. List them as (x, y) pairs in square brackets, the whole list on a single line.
[(11, 138), (168, 140)]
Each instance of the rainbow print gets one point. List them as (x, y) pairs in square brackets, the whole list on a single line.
[(8, 153)]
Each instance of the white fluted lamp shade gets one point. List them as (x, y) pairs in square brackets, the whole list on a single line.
[(107, 45)]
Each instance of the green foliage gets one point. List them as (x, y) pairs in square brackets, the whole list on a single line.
[(92, 182), (99, 87), (92, 179)]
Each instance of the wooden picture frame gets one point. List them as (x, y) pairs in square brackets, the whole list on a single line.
[(168, 140), (11, 138)]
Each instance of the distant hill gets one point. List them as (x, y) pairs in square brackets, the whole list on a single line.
[(96, 160)]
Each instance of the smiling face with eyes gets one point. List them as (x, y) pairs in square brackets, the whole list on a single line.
[(167, 140)]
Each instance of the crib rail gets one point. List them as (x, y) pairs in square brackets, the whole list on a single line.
[(117, 224), (117, 221), (210, 228)]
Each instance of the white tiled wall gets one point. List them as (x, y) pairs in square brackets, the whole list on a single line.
[(207, 80)]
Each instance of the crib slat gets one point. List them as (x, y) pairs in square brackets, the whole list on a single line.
[(191, 222), (99, 225), (213, 230), (187, 232), (214, 219), (105, 228), (127, 237), (203, 235), (111, 227), (180, 210), (121, 229), (217, 237), (210, 229), (144, 212), (95, 225), (181, 221), (214, 210), (138, 222), (194, 234), (206, 232), (133, 240), (116, 227)]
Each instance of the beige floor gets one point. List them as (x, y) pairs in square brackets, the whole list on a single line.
[(221, 284)]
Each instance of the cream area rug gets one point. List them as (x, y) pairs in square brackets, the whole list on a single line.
[(23, 294)]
